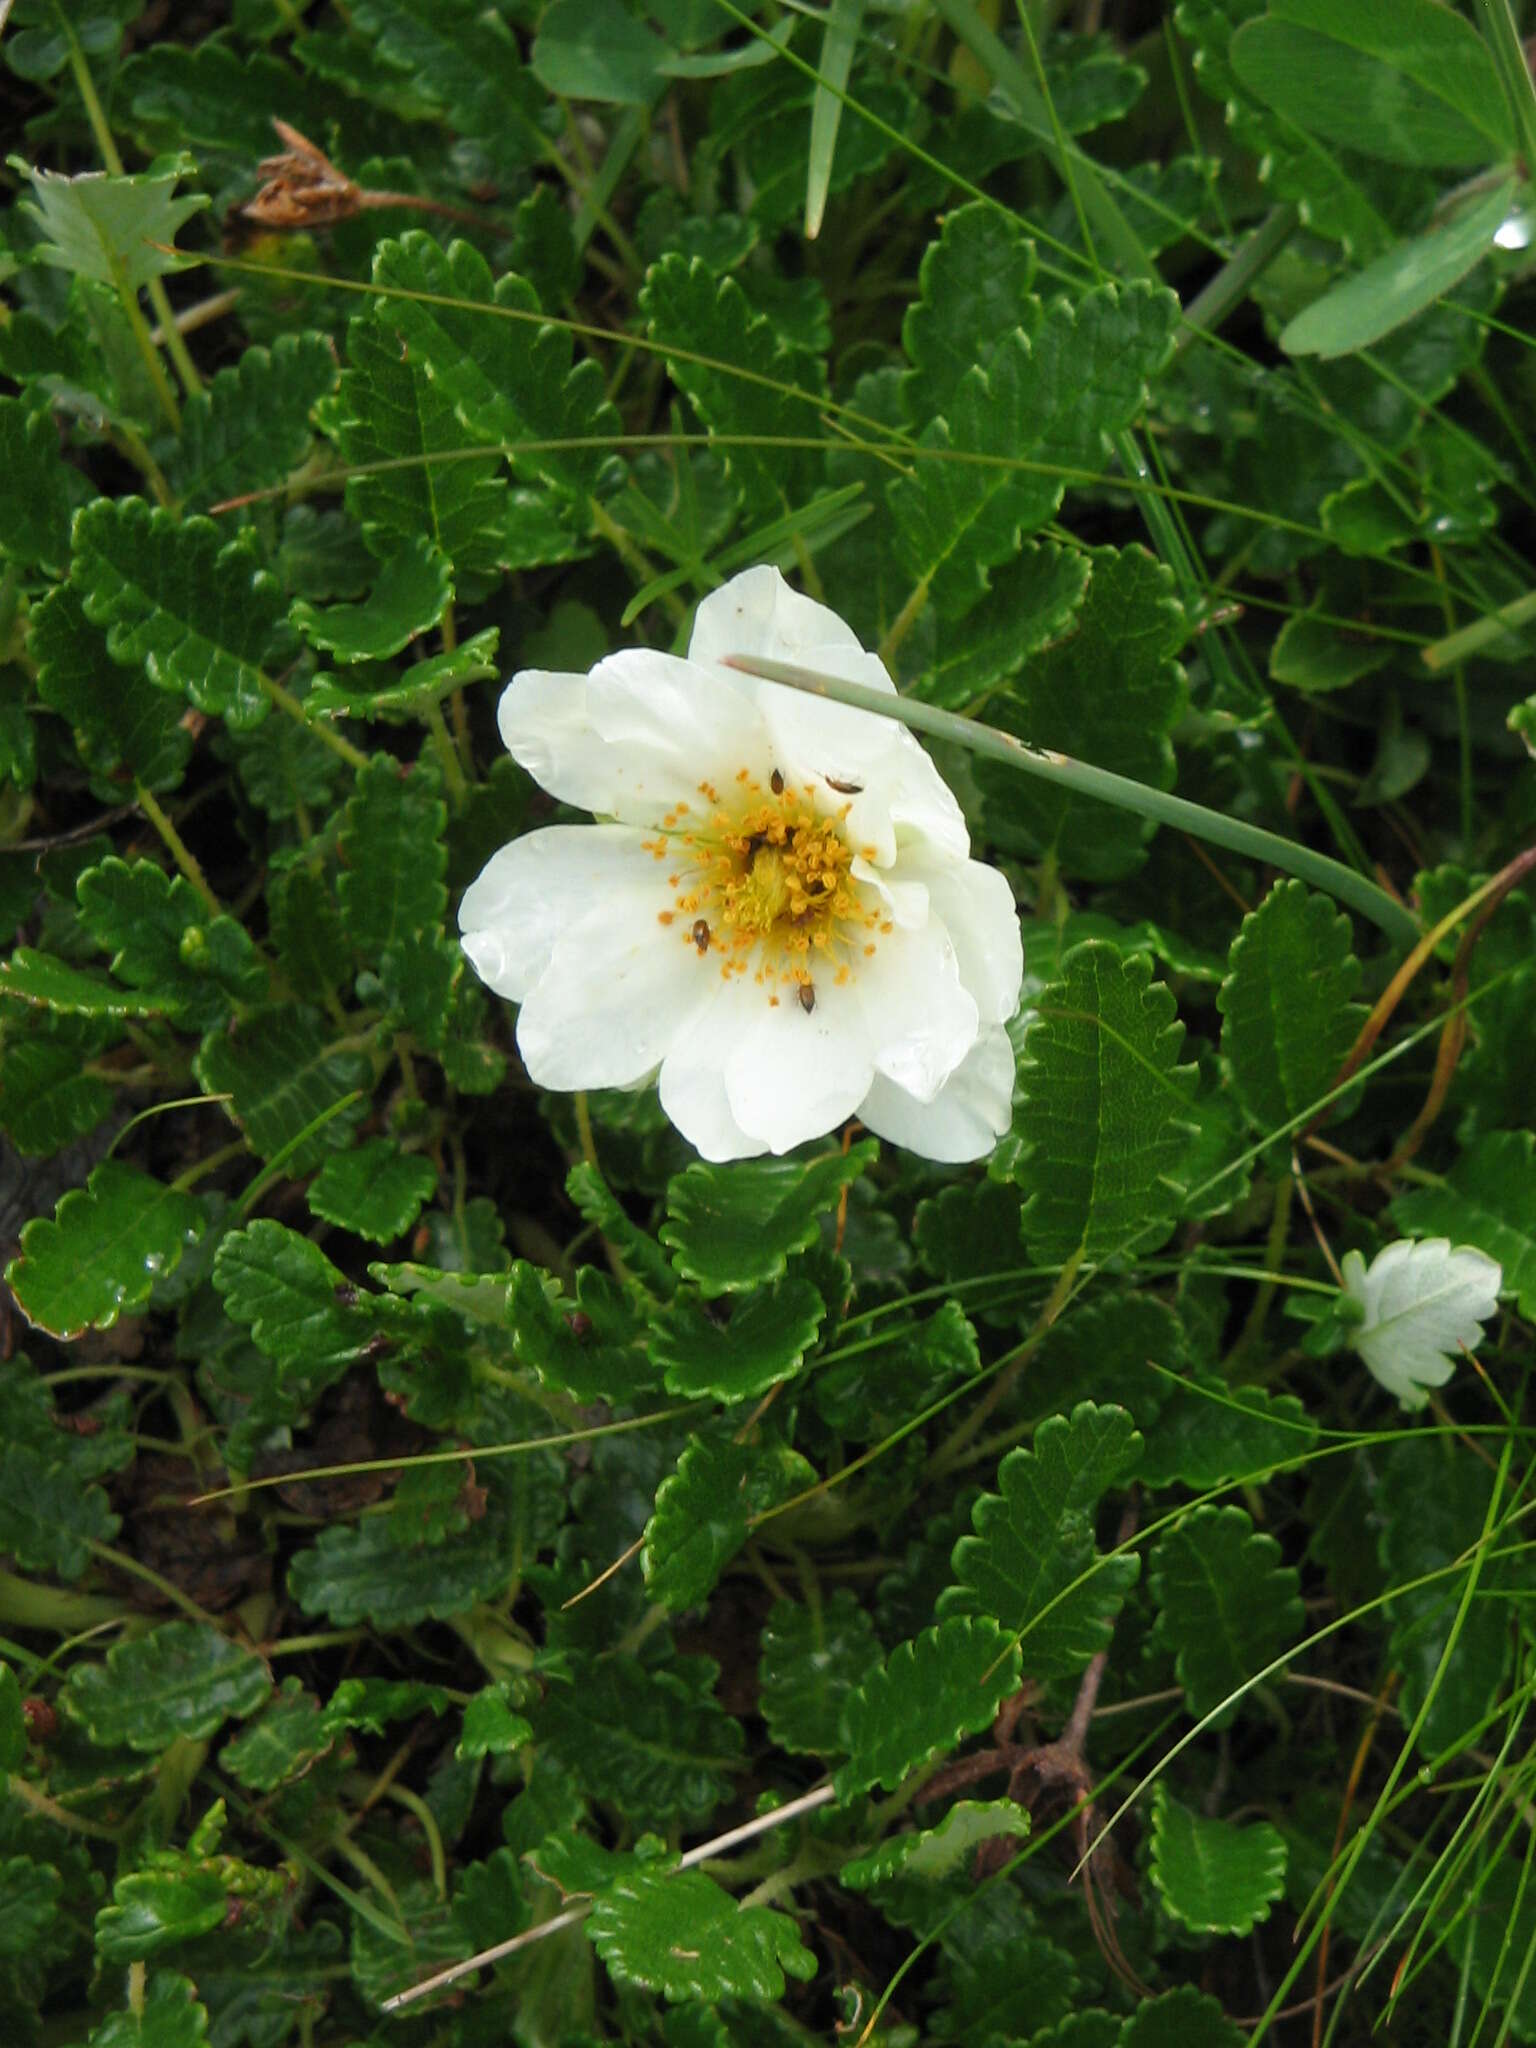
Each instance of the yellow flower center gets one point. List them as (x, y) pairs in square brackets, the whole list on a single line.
[(762, 885)]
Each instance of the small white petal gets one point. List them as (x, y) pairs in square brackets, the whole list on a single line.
[(967, 1116), (694, 1098), (976, 905), (758, 613), (920, 1020), (532, 892), (635, 737), (905, 900), (791, 1075), (616, 996), (1423, 1303)]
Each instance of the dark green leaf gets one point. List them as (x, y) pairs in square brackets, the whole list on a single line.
[(491, 1727), (930, 1693), (252, 423), (122, 722), (510, 376), (288, 1739), (49, 1520), (363, 1573), (1034, 1541), (39, 33), (596, 1359), (638, 1249), (596, 50), (654, 1743), (464, 60), (163, 940), (307, 933), (13, 1728), (1212, 1875), (1110, 694), (299, 1308), (1431, 1511), (681, 1935), (103, 1251), (196, 611), (393, 857), (709, 321), (733, 1227), (45, 1098), (812, 1659), (1227, 1605), (281, 1074), (375, 1189), (34, 511), (1209, 1432), (1033, 601), (156, 1909), (1105, 1106), (1049, 402), (414, 590), (182, 1679), (49, 984), (169, 2017), (1110, 1346), (392, 423), (1488, 1200), (764, 1341), (937, 1853), (425, 683), (1287, 1018), (1311, 654), (975, 284), (704, 1511), (1185, 2018)]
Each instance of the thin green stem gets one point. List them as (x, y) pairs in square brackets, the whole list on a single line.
[(291, 707), (122, 1561), (171, 334), (447, 754), (1455, 647), (414, 1803), (155, 369), (55, 1609), (1232, 283), (180, 852), (38, 1802), (1235, 834), (107, 149)]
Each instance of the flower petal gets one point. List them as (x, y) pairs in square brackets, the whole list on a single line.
[(967, 1116), (920, 1021), (867, 765), (758, 613), (635, 737), (790, 1075), (614, 999), (694, 1098), (532, 892), (976, 905)]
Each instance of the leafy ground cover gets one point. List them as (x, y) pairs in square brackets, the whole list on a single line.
[(1077, 1600)]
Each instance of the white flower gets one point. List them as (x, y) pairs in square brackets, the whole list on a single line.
[(1420, 1302), (782, 920)]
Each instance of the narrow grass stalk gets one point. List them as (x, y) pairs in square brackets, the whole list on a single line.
[(1235, 834)]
